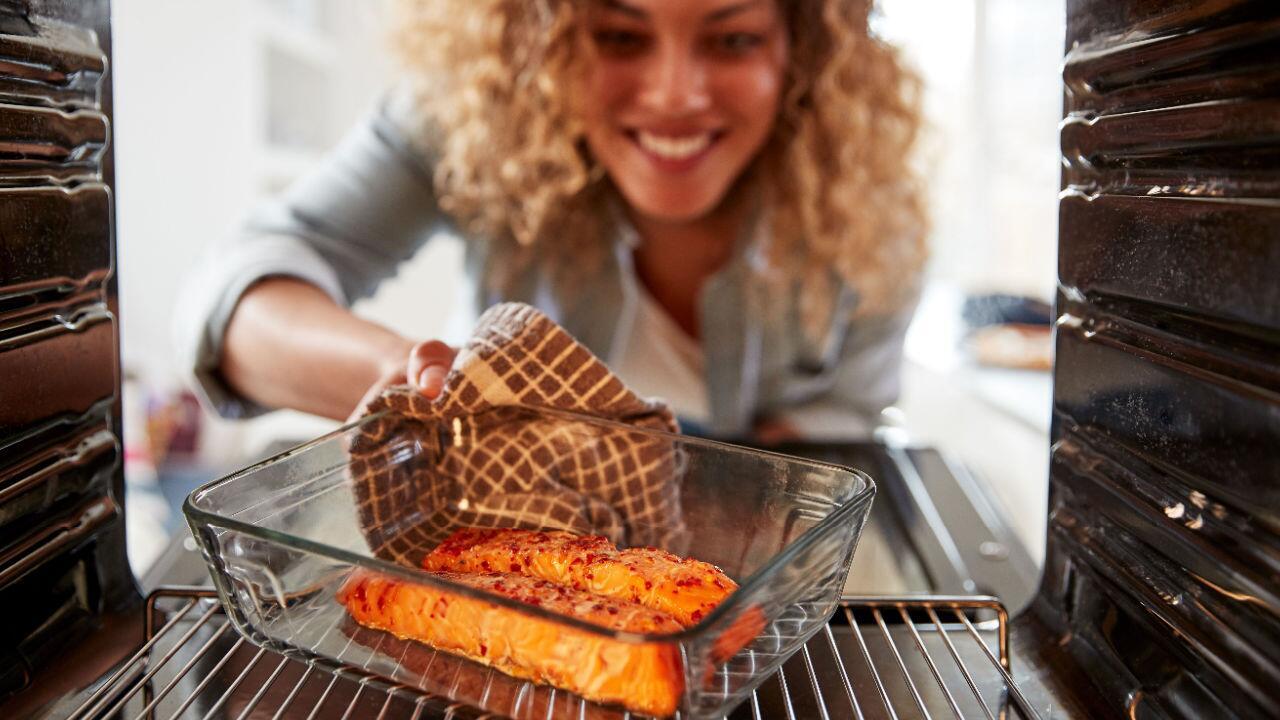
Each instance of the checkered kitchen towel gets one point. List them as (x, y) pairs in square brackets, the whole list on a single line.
[(475, 457)]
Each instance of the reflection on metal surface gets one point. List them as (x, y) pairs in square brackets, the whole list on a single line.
[(1146, 54), (39, 481), (1146, 152), (55, 238), (56, 536), (1171, 254), (49, 61), (47, 146), (57, 371)]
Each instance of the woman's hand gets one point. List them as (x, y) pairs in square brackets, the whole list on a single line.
[(425, 369)]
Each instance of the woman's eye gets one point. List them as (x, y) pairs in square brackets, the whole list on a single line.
[(737, 42), (619, 41)]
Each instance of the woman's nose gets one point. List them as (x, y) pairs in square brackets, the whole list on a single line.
[(675, 82)]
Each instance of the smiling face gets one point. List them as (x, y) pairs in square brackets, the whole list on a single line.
[(679, 96)]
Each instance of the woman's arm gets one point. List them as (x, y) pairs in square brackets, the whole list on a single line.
[(290, 345), (263, 322)]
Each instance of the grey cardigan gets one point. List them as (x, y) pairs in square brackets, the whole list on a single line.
[(371, 205)]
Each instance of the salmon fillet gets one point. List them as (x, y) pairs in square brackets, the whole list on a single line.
[(686, 589), (645, 678)]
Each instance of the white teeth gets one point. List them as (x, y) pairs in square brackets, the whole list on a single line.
[(674, 148)]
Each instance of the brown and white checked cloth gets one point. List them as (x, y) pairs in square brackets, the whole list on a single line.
[(478, 459)]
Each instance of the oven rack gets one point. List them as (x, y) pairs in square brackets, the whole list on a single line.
[(880, 657)]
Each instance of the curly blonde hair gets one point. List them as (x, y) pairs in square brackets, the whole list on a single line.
[(513, 164)]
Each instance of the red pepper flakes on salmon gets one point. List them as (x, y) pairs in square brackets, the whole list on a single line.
[(645, 678), (654, 578)]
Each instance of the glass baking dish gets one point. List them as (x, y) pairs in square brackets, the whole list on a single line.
[(280, 538)]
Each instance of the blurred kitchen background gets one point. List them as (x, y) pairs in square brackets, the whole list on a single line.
[(251, 93)]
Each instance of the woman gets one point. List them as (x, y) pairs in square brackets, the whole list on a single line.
[(713, 195)]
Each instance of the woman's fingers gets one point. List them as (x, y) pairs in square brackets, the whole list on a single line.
[(428, 365), (425, 369)]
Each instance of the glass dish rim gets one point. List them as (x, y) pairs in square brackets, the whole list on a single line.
[(862, 496)]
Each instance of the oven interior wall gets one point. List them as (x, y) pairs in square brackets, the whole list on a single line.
[(62, 552), (1162, 575)]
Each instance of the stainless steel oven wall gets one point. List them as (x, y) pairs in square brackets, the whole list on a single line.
[(1163, 564), (62, 553)]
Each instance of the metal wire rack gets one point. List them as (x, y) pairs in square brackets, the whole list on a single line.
[(879, 657)]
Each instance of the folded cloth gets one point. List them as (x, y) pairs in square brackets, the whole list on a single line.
[(475, 456)]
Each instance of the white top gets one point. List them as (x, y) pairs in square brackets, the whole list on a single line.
[(661, 360)]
